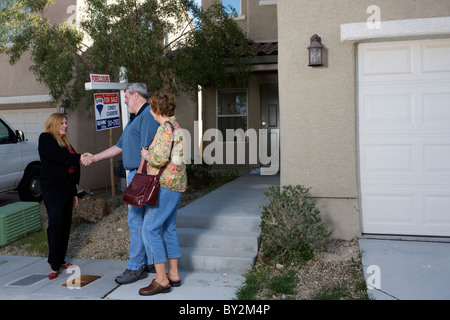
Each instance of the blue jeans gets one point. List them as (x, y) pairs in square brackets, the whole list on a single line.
[(138, 257), (159, 231)]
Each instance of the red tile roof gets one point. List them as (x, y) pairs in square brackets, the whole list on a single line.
[(264, 48)]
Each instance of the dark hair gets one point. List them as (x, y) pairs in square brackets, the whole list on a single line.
[(162, 103)]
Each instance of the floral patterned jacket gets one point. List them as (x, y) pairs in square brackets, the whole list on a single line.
[(174, 176)]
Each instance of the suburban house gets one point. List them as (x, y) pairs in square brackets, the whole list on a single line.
[(369, 131), (367, 127)]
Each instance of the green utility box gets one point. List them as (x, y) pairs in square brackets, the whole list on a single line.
[(18, 219)]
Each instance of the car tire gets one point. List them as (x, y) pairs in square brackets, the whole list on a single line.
[(30, 186)]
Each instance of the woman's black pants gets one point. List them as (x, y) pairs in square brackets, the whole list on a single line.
[(58, 199)]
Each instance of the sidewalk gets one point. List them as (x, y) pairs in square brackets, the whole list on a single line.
[(26, 277)]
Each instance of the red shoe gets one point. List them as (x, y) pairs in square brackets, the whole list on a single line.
[(66, 265), (53, 275)]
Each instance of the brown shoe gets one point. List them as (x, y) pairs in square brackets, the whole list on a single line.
[(154, 288)]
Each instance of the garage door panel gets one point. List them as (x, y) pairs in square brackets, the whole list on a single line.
[(389, 158), (400, 210), (437, 210), (386, 207), (397, 109), (435, 57), (436, 108), (381, 108), (404, 137), (30, 121), (437, 159), (390, 59)]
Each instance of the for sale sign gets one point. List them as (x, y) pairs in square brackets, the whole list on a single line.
[(107, 112), (99, 78)]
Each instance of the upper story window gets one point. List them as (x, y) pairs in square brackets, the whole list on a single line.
[(235, 4), (267, 2)]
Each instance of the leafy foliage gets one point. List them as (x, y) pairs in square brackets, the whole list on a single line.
[(292, 230), (125, 38)]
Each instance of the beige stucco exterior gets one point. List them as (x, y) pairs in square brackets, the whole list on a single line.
[(259, 22), (318, 105)]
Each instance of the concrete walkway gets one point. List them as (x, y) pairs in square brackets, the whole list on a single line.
[(403, 270), (412, 269), (214, 231)]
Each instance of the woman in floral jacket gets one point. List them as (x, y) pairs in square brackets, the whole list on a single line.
[(159, 232)]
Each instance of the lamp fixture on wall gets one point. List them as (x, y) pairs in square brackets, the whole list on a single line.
[(315, 51)]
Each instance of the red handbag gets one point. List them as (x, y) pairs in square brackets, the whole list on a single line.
[(144, 188)]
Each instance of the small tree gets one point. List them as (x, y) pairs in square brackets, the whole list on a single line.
[(128, 34)]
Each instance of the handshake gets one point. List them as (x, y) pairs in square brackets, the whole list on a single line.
[(87, 159)]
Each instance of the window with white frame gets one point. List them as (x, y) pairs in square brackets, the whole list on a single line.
[(232, 110), (235, 4), (267, 2)]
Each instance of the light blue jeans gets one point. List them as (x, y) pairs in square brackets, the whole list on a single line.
[(159, 230), (138, 256)]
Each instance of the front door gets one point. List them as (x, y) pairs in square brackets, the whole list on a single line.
[(270, 129)]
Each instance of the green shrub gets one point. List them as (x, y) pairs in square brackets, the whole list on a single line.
[(292, 230), (201, 176), (198, 175)]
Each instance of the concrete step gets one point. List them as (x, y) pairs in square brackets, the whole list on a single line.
[(213, 260), (247, 223), (218, 239), (220, 232)]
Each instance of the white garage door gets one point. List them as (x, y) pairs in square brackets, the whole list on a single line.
[(30, 121), (404, 137)]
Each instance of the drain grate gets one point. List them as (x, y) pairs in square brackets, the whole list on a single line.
[(27, 281), (82, 280)]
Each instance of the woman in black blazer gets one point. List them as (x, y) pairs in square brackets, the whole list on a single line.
[(59, 176)]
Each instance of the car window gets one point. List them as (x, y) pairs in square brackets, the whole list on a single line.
[(6, 134)]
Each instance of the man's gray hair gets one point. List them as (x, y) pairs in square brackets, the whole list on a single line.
[(140, 88)]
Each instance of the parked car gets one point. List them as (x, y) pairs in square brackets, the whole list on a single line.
[(20, 165)]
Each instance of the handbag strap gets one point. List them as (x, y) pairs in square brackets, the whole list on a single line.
[(161, 170)]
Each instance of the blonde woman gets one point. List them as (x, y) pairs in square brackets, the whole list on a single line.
[(59, 176), (159, 231)]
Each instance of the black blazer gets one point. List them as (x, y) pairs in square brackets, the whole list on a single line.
[(56, 160)]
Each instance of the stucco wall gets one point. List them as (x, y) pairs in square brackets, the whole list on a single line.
[(318, 105), (259, 22)]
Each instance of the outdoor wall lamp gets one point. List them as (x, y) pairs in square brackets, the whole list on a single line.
[(315, 51)]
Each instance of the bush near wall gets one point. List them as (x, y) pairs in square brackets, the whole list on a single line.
[(292, 229)]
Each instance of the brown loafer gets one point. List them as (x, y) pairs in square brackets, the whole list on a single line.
[(154, 288)]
